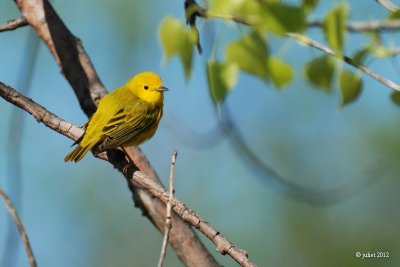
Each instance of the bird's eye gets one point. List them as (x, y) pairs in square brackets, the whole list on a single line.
[(146, 87)]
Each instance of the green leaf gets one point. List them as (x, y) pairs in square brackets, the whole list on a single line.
[(280, 72), (395, 96), (221, 79), (309, 5), (177, 40), (350, 86), (250, 53), (171, 27), (273, 16), (335, 27), (394, 15), (378, 49), (360, 55), (224, 7), (319, 71), (280, 18), (382, 52)]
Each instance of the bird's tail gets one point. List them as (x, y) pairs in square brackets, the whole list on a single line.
[(77, 154)]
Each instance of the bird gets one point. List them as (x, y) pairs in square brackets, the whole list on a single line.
[(128, 116)]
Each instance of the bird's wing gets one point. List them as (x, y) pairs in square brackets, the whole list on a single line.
[(128, 123)]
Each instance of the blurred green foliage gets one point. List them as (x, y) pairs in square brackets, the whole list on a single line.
[(335, 27), (350, 86), (250, 52), (222, 77), (177, 40), (319, 71)]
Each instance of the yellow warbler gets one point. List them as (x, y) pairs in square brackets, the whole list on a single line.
[(127, 116)]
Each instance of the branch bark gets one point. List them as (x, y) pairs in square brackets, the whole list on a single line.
[(133, 175), (13, 24), (67, 50), (314, 44), (14, 215), (168, 222), (365, 26), (77, 68), (388, 5)]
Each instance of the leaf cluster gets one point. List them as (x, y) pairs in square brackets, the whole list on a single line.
[(251, 53)]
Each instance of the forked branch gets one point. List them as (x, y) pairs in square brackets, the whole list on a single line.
[(132, 174), (77, 68)]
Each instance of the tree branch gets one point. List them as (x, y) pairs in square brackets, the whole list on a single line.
[(312, 43), (14, 215), (168, 222), (132, 174), (13, 24), (388, 5), (355, 27), (365, 26), (67, 50), (14, 147), (76, 66)]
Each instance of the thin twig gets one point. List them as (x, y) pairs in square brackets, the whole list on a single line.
[(13, 24), (14, 148), (365, 26), (77, 68), (355, 27), (168, 222), (312, 43), (131, 172), (388, 5), (14, 215), (223, 245)]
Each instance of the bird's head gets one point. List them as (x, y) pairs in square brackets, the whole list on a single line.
[(148, 87)]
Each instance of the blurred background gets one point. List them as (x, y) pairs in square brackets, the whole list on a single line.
[(82, 214)]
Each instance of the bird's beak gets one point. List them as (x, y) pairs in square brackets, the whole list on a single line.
[(162, 89)]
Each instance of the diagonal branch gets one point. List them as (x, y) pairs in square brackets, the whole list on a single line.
[(311, 43), (365, 26), (76, 66), (67, 50), (14, 148), (314, 44), (388, 5), (132, 174), (14, 215)]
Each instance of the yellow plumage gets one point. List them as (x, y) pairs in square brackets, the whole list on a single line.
[(127, 116)]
